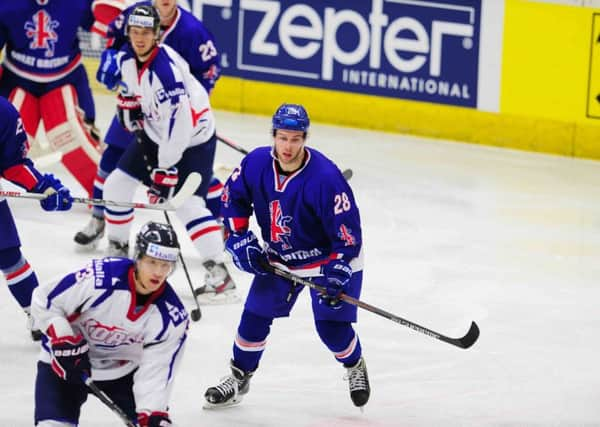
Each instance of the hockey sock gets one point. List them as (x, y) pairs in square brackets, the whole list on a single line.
[(340, 338), (213, 197), (108, 163), (19, 275), (250, 341)]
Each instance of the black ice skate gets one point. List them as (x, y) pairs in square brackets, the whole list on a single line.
[(230, 390), (89, 237), (358, 382), (219, 287), (117, 249)]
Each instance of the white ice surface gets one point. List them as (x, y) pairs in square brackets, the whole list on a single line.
[(453, 233)]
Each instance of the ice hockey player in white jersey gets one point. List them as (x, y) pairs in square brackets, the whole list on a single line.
[(119, 322), (170, 113)]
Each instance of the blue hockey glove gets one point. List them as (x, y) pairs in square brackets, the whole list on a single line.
[(58, 196), (70, 360), (246, 252), (163, 184), (337, 274), (154, 419), (109, 70)]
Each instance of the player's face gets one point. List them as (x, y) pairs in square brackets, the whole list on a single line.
[(289, 148), (166, 10), (151, 274), (142, 41)]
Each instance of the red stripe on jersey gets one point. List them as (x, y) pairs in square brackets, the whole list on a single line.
[(238, 224), (22, 175)]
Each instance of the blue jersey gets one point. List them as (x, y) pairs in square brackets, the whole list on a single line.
[(14, 164), (100, 302), (306, 218), (41, 40), (187, 36)]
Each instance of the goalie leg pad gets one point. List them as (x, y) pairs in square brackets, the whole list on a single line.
[(67, 133), (29, 109)]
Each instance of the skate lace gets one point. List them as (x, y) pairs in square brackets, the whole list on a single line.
[(356, 377), (228, 386)]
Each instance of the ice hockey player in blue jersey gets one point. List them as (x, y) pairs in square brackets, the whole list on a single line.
[(310, 225), (190, 38), (119, 322), (17, 168), (44, 77)]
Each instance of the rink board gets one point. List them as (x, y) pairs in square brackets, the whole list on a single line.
[(537, 77)]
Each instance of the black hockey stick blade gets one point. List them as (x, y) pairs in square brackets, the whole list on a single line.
[(468, 340)]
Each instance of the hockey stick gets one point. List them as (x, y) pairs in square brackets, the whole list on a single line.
[(464, 342), (107, 401), (347, 172), (196, 313), (187, 189)]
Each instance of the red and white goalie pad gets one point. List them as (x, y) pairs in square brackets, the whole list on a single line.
[(105, 11), (28, 107), (67, 133)]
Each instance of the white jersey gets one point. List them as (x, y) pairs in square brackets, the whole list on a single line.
[(99, 302), (176, 108)]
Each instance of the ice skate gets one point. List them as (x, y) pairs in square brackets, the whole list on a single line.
[(230, 390), (358, 383), (117, 249), (219, 287), (90, 236)]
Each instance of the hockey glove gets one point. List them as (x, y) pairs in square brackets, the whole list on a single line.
[(246, 252), (337, 274), (129, 113), (58, 196), (163, 184), (70, 360), (109, 70), (154, 419)]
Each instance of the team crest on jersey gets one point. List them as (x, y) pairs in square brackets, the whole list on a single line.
[(42, 2), (345, 234), (279, 225), (41, 32), (108, 336)]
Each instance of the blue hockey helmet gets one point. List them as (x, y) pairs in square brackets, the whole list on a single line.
[(291, 117)]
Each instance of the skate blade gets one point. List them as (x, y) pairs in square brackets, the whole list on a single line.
[(90, 247), (226, 297), (232, 402)]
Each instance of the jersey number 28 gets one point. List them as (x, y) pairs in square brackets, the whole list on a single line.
[(342, 203)]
